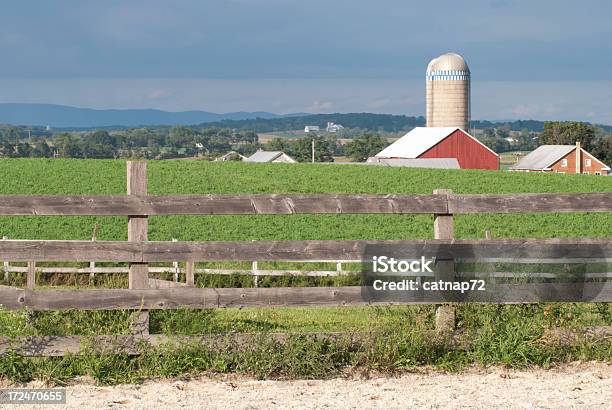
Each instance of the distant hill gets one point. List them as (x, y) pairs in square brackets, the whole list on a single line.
[(366, 121), (73, 118), (62, 116)]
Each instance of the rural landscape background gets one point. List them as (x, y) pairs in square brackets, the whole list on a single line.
[(108, 106), (363, 135), (400, 336)]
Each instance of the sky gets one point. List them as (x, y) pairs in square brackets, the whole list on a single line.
[(540, 59)]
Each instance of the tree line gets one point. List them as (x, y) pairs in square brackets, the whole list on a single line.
[(370, 122), (182, 141), (159, 143)]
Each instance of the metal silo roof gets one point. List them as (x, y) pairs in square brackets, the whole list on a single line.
[(448, 62)]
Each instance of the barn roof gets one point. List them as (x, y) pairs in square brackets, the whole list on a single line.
[(418, 140), (230, 153), (543, 156), (441, 163), (264, 156)]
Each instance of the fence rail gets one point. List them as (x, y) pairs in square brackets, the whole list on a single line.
[(278, 272), (145, 293), (558, 249), (203, 298), (149, 205)]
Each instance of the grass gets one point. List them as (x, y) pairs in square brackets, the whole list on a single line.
[(401, 336), (507, 159), (98, 177)]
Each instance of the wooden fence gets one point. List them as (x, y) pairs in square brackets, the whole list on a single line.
[(144, 294)]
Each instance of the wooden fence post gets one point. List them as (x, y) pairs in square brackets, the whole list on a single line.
[(445, 269), (175, 266), (92, 264), (31, 275), (190, 273), (5, 265), (138, 232)]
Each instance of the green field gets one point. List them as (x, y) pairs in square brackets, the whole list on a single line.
[(98, 177), (510, 335)]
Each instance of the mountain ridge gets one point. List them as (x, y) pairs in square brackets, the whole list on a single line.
[(60, 116)]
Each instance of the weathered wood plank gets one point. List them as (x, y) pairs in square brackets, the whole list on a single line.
[(132, 344), (294, 272), (503, 249), (145, 205), (190, 273), (443, 221), (31, 275), (532, 250), (137, 225), (138, 231), (77, 251), (204, 298), (12, 298), (165, 284), (530, 203), (445, 268)]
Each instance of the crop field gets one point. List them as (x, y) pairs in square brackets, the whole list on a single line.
[(504, 336), (24, 176)]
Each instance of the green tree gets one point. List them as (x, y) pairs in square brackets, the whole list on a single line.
[(277, 144), (8, 149), (364, 147), (41, 150), (567, 133), (603, 150), (302, 150), (102, 138), (181, 137), (24, 150), (69, 147)]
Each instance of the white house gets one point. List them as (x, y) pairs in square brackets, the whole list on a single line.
[(331, 127), (270, 156), (311, 128), (231, 156)]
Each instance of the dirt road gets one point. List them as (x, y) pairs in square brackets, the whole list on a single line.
[(573, 386)]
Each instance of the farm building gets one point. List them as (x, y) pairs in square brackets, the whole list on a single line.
[(231, 156), (438, 163), (561, 159), (332, 127), (442, 143), (311, 128), (270, 156)]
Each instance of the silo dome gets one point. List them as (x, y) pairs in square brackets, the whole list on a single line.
[(448, 92), (448, 62)]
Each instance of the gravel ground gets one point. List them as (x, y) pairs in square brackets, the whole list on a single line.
[(578, 385)]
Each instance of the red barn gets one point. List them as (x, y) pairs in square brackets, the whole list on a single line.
[(443, 142)]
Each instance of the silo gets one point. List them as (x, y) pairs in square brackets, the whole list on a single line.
[(448, 92)]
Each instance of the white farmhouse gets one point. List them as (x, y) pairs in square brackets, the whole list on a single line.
[(331, 127), (311, 128)]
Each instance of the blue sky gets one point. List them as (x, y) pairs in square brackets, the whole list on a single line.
[(529, 59)]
